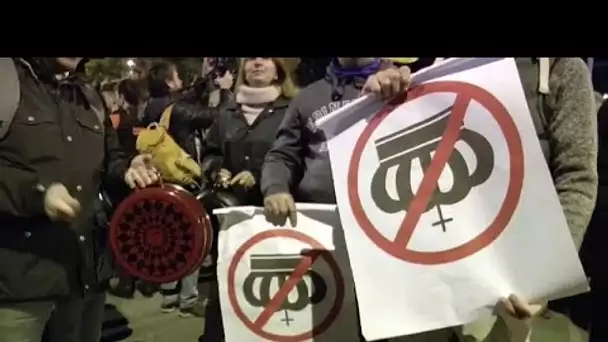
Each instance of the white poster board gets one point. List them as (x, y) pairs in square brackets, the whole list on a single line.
[(285, 284), (446, 201)]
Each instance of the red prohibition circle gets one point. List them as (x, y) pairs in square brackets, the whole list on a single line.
[(296, 235), (516, 176)]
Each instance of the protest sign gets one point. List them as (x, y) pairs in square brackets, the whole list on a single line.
[(445, 191), (285, 284)]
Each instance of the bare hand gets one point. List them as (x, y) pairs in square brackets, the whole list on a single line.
[(520, 309), (244, 179), (388, 83), (59, 204), (226, 81), (141, 173), (279, 207)]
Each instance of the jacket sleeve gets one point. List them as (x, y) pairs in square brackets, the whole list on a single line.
[(199, 90), (214, 157), (284, 159), (194, 116), (116, 160), (226, 98), (574, 144), (21, 190)]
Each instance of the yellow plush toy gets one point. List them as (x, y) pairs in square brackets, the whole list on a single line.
[(173, 163)]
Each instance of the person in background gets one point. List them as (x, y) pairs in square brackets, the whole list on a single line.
[(110, 98), (164, 85), (240, 137), (50, 269), (219, 84), (220, 96), (189, 119), (130, 103)]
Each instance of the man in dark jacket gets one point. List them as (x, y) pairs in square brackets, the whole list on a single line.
[(56, 150), (297, 168), (301, 146)]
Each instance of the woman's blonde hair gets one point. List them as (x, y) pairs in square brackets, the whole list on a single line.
[(284, 79)]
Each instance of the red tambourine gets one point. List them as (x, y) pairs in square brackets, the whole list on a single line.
[(160, 234)]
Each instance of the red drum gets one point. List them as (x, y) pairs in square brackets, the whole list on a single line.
[(160, 234)]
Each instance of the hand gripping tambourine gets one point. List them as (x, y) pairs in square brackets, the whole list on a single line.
[(160, 234)]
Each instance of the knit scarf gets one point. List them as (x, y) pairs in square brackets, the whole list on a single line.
[(254, 100)]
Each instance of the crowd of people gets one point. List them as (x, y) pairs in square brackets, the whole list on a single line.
[(251, 130)]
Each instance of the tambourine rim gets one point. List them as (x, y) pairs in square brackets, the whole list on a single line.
[(205, 222), (177, 197), (207, 225)]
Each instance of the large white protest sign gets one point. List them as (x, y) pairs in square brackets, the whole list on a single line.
[(447, 203), (285, 284)]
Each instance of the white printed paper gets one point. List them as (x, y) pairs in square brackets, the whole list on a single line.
[(282, 283), (447, 203)]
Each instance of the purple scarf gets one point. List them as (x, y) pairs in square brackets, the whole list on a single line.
[(362, 72)]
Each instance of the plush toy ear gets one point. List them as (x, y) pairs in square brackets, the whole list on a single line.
[(149, 137)]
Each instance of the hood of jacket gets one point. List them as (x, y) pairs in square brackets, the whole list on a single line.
[(154, 109)]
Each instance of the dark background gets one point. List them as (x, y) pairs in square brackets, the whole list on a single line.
[(600, 74)]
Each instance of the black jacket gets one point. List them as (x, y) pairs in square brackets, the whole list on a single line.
[(127, 123), (189, 119), (50, 140), (242, 147), (154, 109)]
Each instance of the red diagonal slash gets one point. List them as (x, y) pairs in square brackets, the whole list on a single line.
[(431, 176), (295, 277)]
